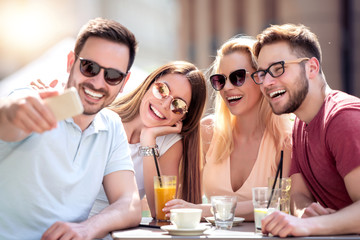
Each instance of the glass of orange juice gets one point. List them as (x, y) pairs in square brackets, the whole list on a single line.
[(165, 190)]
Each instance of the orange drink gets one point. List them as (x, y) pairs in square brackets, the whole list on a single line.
[(164, 191)]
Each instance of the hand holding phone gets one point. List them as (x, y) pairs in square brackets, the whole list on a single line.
[(65, 105)]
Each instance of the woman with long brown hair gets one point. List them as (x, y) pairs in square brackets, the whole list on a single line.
[(164, 113)]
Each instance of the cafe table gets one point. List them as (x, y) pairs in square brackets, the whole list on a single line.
[(243, 231)]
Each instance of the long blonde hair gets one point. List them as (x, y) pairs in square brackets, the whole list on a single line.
[(190, 167), (279, 127)]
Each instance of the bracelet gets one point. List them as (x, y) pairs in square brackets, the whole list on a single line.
[(147, 151)]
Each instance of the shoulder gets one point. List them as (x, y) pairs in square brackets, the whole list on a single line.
[(167, 141), (337, 101), (109, 123), (108, 118), (170, 137), (207, 127), (109, 114), (341, 107), (207, 123)]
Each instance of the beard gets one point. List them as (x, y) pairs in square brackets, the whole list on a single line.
[(89, 108), (296, 97)]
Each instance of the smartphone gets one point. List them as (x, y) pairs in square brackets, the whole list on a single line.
[(65, 105), (152, 223)]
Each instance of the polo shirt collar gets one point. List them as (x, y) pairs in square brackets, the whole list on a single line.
[(97, 125)]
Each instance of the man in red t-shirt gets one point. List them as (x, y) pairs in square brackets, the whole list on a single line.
[(325, 168)]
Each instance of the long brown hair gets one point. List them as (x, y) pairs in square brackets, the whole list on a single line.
[(190, 167)]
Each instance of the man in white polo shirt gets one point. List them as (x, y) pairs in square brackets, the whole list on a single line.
[(51, 172)]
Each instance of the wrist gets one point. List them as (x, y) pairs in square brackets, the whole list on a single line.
[(147, 137), (146, 151)]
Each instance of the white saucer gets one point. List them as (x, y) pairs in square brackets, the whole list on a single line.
[(237, 220), (173, 230)]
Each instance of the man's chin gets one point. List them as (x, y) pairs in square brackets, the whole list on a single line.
[(277, 110), (90, 112)]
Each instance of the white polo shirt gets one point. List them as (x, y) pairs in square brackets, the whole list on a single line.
[(56, 176)]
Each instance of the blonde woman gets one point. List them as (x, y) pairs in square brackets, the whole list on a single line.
[(243, 139)]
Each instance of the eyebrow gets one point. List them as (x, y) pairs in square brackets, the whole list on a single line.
[(173, 96), (270, 65)]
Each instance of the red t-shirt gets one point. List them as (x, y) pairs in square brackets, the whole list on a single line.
[(328, 148)]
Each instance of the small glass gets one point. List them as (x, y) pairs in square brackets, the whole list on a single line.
[(223, 208)]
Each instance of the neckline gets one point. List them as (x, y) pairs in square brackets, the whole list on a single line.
[(252, 169)]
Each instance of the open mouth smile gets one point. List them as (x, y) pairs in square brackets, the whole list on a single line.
[(157, 113), (93, 94), (234, 99), (277, 93)]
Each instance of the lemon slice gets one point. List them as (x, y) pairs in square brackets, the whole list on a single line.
[(260, 210)]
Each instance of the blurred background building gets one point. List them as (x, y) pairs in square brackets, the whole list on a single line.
[(36, 35)]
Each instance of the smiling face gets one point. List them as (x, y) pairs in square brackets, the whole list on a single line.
[(157, 112), (245, 98), (287, 92), (94, 92)]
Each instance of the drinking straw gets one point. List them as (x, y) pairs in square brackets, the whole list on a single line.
[(281, 167), (157, 166), (277, 174)]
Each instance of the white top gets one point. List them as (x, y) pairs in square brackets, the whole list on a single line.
[(56, 176), (163, 142)]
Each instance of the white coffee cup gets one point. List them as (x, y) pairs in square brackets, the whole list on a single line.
[(185, 218)]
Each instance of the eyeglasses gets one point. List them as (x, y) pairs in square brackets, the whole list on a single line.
[(161, 91), (275, 70), (237, 78), (90, 69)]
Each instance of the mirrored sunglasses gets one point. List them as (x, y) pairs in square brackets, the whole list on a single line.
[(161, 91), (237, 78), (90, 69)]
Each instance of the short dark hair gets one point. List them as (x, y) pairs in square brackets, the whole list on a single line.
[(301, 40), (110, 30)]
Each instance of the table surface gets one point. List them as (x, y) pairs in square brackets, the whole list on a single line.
[(244, 231)]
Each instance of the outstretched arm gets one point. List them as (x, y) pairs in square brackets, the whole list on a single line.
[(24, 112)]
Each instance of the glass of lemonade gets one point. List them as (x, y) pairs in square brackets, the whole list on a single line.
[(164, 191), (262, 208)]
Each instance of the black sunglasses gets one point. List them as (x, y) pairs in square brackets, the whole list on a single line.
[(237, 78), (90, 69)]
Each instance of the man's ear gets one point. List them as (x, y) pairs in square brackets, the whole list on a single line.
[(70, 60), (312, 67), (125, 81)]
